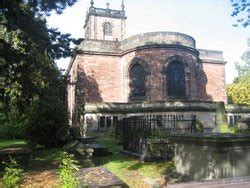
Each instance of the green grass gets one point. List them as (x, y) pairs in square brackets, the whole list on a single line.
[(48, 155), (11, 143), (40, 154), (127, 168)]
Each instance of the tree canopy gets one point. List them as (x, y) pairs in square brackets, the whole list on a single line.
[(28, 49), (239, 91), (241, 10)]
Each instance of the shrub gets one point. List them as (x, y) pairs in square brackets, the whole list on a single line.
[(12, 130), (75, 132), (12, 174), (67, 169), (224, 128), (47, 123), (12, 127), (199, 126)]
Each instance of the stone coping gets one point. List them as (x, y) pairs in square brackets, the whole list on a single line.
[(157, 106), (212, 139), (161, 37), (230, 108)]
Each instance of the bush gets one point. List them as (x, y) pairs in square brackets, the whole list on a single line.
[(12, 130), (12, 174), (12, 127), (199, 126), (47, 123), (75, 132), (224, 128), (67, 169)]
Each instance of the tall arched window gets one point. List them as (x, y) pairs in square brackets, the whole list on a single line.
[(107, 29), (175, 75), (137, 81)]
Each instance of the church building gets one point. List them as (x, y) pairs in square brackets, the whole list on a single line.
[(109, 69)]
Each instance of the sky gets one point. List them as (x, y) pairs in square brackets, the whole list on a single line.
[(208, 21)]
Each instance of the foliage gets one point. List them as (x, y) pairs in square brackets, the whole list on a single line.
[(12, 130), (224, 128), (11, 126), (75, 132), (47, 123), (12, 174), (67, 169), (199, 126), (239, 91), (241, 9), (28, 49)]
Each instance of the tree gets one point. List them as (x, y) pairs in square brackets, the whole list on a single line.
[(28, 50), (239, 91), (241, 10)]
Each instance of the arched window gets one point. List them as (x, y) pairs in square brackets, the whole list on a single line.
[(175, 75), (107, 29), (137, 81)]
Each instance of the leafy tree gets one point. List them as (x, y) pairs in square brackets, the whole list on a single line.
[(28, 72), (241, 10), (28, 49), (239, 91), (47, 123)]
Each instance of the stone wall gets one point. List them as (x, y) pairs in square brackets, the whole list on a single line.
[(99, 79), (154, 62), (94, 28), (206, 157), (103, 69), (215, 86), (158, 38), (205, 111)]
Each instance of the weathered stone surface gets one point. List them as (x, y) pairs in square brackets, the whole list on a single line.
[(206, 157), (100, 69)]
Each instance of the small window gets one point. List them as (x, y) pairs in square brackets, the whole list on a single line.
[(102, 121), (107, 29), (109, 121)]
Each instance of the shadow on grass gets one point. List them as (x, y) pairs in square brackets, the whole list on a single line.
[(121, 162)]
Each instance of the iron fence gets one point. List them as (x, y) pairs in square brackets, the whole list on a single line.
[(137, 129)]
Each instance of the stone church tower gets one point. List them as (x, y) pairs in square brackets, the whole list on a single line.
[(105, 24), (110, 69)]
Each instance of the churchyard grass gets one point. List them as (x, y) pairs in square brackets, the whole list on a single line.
[(129, 169), (11, 143)]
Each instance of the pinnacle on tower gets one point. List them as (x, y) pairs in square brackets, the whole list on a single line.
[(123, 6), (92, 3), (107, 5)]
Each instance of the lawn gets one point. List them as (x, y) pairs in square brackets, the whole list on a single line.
[(130, 170), (11, 143)]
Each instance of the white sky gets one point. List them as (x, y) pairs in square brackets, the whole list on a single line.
[(208, 21)]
